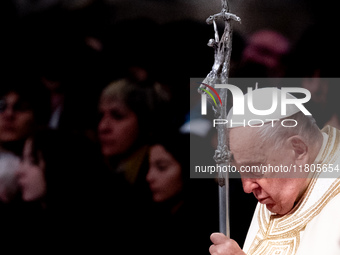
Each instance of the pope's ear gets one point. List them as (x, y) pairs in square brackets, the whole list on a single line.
[(299, 147)]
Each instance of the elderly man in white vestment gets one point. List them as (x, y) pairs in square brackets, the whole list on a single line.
[(298, 211)]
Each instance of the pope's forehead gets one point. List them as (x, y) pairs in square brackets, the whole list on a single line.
[(243, 138)]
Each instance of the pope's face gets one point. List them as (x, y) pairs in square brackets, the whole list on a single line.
[(277, 192)]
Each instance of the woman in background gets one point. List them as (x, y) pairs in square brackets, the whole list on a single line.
[(178, 207), (61, 177), (24, 109), (127, 110), (127, 119)]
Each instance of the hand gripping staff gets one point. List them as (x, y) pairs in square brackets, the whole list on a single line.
[(219, 75)]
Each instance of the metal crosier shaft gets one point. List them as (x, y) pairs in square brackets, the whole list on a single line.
[(219, 75)]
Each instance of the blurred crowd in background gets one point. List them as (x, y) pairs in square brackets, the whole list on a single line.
[(94, 108)]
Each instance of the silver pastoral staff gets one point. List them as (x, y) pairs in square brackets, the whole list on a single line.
[(219, 75)]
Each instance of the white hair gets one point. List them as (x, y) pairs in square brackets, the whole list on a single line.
[(9, 164), (276, 134)]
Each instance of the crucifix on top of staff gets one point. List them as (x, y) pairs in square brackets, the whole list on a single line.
[(219, 75)]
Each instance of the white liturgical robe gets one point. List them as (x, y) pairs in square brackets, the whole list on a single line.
[(313, 226)]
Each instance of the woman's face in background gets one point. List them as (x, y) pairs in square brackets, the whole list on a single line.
[(117, 129), (31, 175), (164, 175), (16, 118)]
